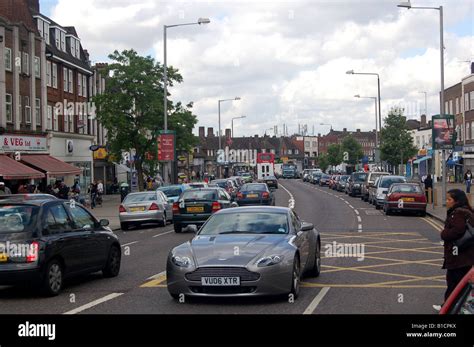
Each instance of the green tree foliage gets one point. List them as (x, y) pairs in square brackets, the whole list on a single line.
[(353, 149), (323, 161), (131, 109), (334, 154), (397, 143)]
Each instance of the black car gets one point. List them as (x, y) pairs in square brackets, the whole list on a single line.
[(355, 183), (255, 194), (44, 242), (195, 206), (271, 181)]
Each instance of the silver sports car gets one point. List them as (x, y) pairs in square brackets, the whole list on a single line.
[(245, 251)]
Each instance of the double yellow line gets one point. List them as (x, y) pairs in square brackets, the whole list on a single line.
[(435, 224)]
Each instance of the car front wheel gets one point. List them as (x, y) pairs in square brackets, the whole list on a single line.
[(295, 279), (316, 269), (178, 228)]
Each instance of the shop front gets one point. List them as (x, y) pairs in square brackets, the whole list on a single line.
[(13, 173)]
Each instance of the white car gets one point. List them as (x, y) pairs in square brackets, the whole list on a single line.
[(382, 187)]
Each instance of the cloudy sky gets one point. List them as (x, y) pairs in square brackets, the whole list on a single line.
[(287, 60)]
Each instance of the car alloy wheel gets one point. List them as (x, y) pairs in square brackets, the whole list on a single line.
[(295, 281), (112, 268), (53, 281), (316, 270), (163, 220)]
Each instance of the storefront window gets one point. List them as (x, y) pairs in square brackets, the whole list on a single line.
[(85, 178)]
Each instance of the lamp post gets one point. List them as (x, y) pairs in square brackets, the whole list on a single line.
[(267, 130), (326, 124), (375, 99), (233, 123), (165, 75), (220, 139), (407, 5)]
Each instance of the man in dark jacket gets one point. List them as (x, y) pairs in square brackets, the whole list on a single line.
[(457, 262), (63, 191)]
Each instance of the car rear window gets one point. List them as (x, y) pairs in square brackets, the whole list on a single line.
[(406, 188), (171, 191), (246, 222), (200, 195), (387, 182), (17, 218), (140, 198), (359, 177), (259, 187), (374, 176)]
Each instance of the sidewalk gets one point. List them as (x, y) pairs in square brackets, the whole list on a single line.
[(439, 211), (109, 210)]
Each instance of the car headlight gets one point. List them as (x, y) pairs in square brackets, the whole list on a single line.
[(181, 261), (270, 260)]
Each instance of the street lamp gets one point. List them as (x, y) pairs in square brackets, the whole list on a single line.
[(219, 112), (407, 5), (351, 72), (233, 123), (326, 124), (267, 130), (165, 73), (375, 99), (426, 105)]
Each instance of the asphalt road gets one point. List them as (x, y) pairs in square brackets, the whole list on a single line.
[(398, 269)]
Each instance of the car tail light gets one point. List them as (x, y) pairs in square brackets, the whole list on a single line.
[(265, 195), (240, 196), (154, 207), (175, 208), (33, 252), (216, 206), (122, 209)]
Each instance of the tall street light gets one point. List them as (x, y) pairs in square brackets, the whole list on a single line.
[(407, 5), (326, 124), (165, 73), (351, 72), (233, 123), (426, 104), (375, 99), (220, 139)]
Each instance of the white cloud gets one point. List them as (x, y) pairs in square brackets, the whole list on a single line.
[(287, 60)]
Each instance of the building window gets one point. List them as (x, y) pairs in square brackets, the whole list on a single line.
[(63, 41), (66, 122), (79, 84), (8, 59), (78, 45), (71, 80), (50, 118), (297, 151), (57, 34), (25, 68), (472, 130), (468, 131), (315, 144), (84, 86), (55, 75), (72, 44), (306, 144), (466, 102), (48, 74), (8, 101), (46, 33), (37, 67), (40, 27), (65, 79), (56, 119), (38, 111), (472, 99), (27, 110), (450, 106), (457, 106)]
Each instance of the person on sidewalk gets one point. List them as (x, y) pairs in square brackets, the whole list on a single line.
[(428, 184), (467, 180), (457, 262)]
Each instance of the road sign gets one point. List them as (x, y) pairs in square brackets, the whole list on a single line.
[(166, 146)]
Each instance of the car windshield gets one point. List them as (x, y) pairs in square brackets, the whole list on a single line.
[(171, 191), (387, 182), (359, 177), (374, 176), (17, 218), (259, 187), (246, 222), (199, 195), (406, 188), (134, 198)]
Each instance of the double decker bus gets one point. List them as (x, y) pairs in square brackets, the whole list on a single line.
[(265, 165)]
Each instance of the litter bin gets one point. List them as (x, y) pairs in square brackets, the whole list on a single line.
[(124, 190)]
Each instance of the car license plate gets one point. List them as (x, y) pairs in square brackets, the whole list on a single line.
[(195, 209), (269, 181), (408, 199), (252, 196), (220, 281), (137, 209), (3, 258)]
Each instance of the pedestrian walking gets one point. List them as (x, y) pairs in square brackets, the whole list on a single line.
[(457, 262), (467, 180), (93, 193), (428, 182)]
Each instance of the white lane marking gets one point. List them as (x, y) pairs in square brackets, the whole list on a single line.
[(359, 228), (351, 206), (357, 212), (130, 243), (347, 202), (359, 219), (292, 201), (312, 306), (168, 232), (94, 303), (157, 275)]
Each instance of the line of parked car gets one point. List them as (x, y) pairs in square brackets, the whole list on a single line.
[(385, 191)]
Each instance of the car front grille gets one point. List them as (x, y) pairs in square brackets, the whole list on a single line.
[(222, 290), (243, 273)]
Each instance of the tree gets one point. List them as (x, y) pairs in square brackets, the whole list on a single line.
[(353, 149), (397, 144), (334, 155), (323, 161), (131, 109)]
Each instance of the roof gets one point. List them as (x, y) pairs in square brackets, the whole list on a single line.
[(12, 170), (277, 209), (17, 11), (50, 165)]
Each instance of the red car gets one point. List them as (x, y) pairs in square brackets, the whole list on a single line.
[(461, 300), (403, 197)]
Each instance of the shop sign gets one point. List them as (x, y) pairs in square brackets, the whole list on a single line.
[(23, 143)]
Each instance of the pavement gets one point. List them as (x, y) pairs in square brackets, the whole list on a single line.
[(109, 210), (438, 212)]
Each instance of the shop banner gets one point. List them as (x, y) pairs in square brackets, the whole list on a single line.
[(23, 143)]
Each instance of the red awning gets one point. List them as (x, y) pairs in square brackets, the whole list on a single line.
[(12, 170), (50, 165)]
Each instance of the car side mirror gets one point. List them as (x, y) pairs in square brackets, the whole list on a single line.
[(307, 226), (104, 222)]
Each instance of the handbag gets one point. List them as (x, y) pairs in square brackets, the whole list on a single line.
[(467, 239)]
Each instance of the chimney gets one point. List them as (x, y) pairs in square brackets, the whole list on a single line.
[(423, 120), (210, 132), (358, 130), (373, 130), (202, 132), (34, 5), (228, 133), (256, 136), (344, 130)]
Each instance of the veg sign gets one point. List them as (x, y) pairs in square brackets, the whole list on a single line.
[(23, 143)]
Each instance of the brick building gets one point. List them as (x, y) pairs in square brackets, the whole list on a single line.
[(365, 138)]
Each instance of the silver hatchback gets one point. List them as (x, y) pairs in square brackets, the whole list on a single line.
[(145, 207)]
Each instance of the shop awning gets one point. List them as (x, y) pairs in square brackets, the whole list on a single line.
[(12, 170), (451, 162), (50, 165), (422, 159)]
